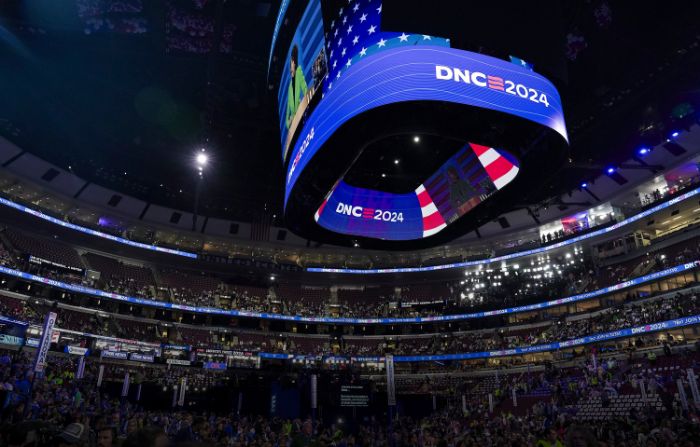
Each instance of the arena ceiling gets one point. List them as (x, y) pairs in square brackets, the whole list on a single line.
[(123, 92)]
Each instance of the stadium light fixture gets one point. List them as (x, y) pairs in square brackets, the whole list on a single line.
[(396, 161), (643, 151), (584, 185), (610, 170), (674, 134), (202, 159), (416, 139)]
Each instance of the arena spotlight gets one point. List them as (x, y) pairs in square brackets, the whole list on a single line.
[(396, 161), (610, 170), (674, 134), (416, 139), (584, 185), (201, 158), (643, 151)]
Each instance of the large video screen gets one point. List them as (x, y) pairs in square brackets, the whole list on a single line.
[(341, 63), (465, 180), (304, 70), (469, 178), (330, 37)]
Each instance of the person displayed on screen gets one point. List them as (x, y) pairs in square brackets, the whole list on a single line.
[(460, 190), (297, 86)]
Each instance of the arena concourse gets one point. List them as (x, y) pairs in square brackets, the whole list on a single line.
[(483, 235)]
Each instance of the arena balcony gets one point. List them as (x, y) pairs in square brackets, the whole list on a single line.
[(278, 251)]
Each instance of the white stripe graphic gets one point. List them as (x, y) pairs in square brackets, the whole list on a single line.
[(489, 157), (428, 209), (506, 178), (432, 231)]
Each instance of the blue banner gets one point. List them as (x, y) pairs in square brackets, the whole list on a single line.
[(8, 320), (220, 366), (114, 355), (45, 343), (340, 320), (275, 356), (76, 350), (136, 357), (176, 347)]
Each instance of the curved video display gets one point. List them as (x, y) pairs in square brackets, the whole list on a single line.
[(341, 68), (426, 73), (468, 178)]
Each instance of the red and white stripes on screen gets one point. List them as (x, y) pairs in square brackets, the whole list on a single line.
[(433, 221), (501, 170), (317, 214)]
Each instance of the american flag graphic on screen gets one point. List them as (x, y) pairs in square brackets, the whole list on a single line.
[(353, 32)]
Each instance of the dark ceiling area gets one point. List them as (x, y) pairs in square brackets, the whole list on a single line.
[(127, 107), (124, 92), (404, 161)]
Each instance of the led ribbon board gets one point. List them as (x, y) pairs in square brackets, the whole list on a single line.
[(77, 288)]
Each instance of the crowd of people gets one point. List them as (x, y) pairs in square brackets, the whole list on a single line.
[(630, 314), (481, 289), (60, 409), (442, 298), (610, 319)]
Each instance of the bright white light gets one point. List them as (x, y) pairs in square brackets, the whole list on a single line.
[(416, 139), (202, 159)]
